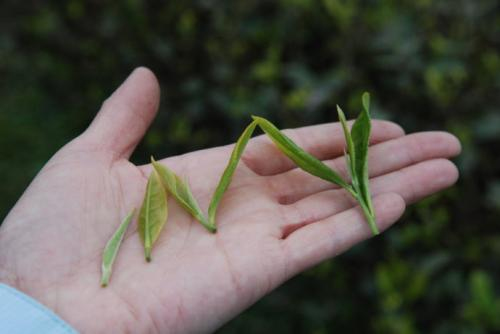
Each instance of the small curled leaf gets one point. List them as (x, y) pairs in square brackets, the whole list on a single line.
[(112, 247), (181, 192), (153, 214)]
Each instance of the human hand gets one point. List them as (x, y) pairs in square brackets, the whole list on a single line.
[(274, 221)]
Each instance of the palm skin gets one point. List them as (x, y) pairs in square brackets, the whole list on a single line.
[(274, 221)]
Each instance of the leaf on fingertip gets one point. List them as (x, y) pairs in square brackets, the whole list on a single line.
[(111, 250), (304, 160), (153, 214)]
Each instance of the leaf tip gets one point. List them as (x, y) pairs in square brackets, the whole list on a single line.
[(366, 100), (257, 118), (153, 161), (340, 113)]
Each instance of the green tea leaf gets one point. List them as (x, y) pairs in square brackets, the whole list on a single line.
[(229, 171), (351, 157), (153, 214), (303, 159), (365, 98), (360, 133), (111, 249), (360, 136), (181, 192)]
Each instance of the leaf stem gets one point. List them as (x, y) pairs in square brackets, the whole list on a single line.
[(351, 191), (212, 228), (370, 218), (367, 209)]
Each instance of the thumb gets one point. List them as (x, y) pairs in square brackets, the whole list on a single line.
[(126, 115)]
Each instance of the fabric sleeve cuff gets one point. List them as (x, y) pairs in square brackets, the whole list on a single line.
[(20, 314)]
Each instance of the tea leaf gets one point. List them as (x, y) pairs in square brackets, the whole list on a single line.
[(111, 249), (153, 214), (229, 171), (365, 99), (357, 141), (181, 192), (303, 159), (360, 136), (350, 158)]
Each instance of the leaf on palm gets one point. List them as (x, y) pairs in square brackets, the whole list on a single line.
[(226, 177), (112, 247), (182, 193), (153, 214)]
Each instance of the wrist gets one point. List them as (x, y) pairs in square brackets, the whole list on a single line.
[(7, 277)]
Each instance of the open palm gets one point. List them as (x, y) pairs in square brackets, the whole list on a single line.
[(274, 220)]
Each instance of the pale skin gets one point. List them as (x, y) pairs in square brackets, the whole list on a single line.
[(274, 221)]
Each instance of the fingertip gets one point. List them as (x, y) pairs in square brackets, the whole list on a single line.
[(145, 70), (448, 173), (389, 207), (390, 127), (454, 173), (385, 131), (396, 203), (447, 143), (455, 144), (147, 76), (125, 116)]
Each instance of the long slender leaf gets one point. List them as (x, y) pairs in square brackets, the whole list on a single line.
[(365, 99), (112, 247), (351, 157), (181, 192), (358, 141), (303, 159), (229, 171), (153, 214), (360, 136)]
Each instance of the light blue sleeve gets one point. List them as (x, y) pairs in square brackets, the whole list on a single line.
[(20, 314)]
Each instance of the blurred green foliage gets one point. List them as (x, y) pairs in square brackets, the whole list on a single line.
[(429, 65)]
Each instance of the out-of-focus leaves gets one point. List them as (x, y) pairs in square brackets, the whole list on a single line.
[(483, 306)]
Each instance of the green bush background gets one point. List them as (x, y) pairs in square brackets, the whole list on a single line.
[(429, 65)]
